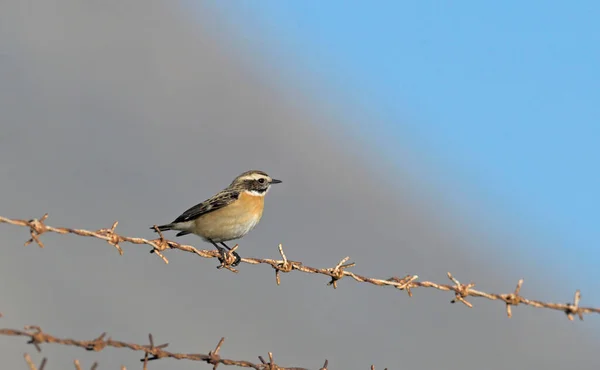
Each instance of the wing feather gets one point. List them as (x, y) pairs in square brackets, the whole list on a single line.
[(218, 201)]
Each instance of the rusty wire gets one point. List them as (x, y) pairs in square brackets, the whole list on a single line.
[(32, 365), (461, 291), (151, 352)]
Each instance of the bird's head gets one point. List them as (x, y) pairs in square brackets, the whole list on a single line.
[(254, 182)]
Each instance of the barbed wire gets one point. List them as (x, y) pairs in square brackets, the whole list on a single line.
[(32, 365), (151, 352), (407, 283)]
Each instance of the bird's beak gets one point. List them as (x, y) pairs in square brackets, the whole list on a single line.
[(274, 181)]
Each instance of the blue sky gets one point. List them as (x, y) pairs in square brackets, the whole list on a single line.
[(501, 97)]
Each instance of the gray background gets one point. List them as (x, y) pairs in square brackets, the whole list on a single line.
[(132, 111)]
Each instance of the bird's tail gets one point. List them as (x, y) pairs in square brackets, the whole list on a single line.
[(163, 227), (171, 226)]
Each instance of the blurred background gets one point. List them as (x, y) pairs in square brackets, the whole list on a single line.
[(416, 138)]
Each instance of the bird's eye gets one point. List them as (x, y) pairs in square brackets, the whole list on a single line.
[(261, 180)]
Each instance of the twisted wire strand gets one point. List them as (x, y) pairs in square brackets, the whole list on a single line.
[(461, 291)]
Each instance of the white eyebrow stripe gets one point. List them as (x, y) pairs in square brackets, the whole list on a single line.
[(255, 176)]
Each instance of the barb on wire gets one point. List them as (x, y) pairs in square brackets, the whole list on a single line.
[(151, 352), (78, 365), (336, 273), (32, 365)]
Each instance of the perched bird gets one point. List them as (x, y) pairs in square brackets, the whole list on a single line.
[(229, 214)]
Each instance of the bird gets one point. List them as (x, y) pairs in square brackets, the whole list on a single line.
[(230, 214)]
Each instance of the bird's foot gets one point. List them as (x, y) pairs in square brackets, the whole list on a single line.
[(238, 259), (229, 257)]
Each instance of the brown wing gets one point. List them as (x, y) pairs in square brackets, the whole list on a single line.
[(218, 201)]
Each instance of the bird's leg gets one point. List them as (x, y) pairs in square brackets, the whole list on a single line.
[(223, 253), (221, 250), (238, 259)]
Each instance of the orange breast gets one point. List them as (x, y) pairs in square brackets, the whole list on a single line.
[(232, 221), (251, 204)]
